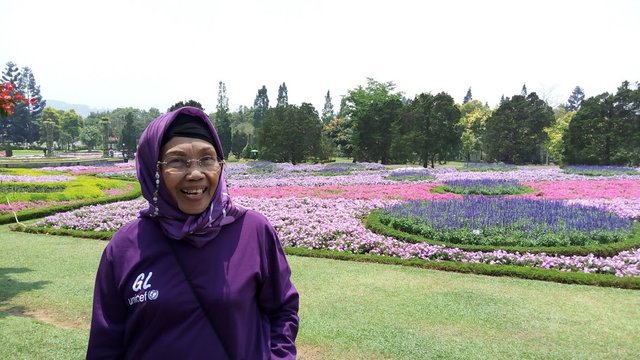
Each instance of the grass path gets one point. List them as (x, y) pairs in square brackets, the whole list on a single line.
[(348, 310)]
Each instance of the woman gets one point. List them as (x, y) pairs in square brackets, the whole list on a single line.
[(195, 276)]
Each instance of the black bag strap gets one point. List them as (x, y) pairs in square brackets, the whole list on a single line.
[(195, 293)]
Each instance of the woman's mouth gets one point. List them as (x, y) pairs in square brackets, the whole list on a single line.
[(194, 192)]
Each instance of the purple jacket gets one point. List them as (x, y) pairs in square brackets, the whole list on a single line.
[(144, 308)]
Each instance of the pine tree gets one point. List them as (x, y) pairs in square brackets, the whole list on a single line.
[(11, 73), (260, 104), (467, 97), (575, 100), (327, 111), (283, 96), (524, 92), (223, 119), (223, 100), (24, 122)]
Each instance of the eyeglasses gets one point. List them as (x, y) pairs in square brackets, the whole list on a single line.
[(179, 164)]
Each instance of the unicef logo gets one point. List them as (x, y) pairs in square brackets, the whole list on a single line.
[(153, 294)]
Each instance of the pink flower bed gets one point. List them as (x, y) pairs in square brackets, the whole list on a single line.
[(404, 191), (21, 205), (587, 189)]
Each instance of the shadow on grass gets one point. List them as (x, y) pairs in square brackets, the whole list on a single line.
[(10, 288)]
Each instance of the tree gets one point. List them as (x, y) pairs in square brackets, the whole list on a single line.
[(283, 96), (515, 131), (9, 98), (50, 123), (23, 124), (327, 110), (128, 138), (434, 132), (524, 92), (473, 122), (91, 133), (70, 127), (604, 131), (340, 132), (104, 121), (372, 110), (312, 131), (239, 141), (260, 105), (223, 119), (467, 97), (555, 133), (11, 73), (294, 133), (182, 104), (576, 98)]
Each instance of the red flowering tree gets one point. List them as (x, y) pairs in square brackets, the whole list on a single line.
[(9, 97)]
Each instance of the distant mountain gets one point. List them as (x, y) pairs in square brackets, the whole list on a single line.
[(82, 110)]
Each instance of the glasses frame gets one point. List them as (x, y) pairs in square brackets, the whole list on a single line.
[(189, 163)]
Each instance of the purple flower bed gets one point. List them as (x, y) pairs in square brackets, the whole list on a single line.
[(507, 221), (488, 167), (600, 170), (411, 174), (522, 174)]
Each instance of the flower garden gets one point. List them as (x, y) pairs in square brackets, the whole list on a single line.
[(543, 223)]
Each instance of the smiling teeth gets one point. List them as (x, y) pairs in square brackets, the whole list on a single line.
[(193, 191)]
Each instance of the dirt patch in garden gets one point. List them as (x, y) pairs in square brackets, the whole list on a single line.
[(310, 352), (46, 318)]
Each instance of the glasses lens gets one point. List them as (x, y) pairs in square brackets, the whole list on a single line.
[(177, 165), (208, 163)]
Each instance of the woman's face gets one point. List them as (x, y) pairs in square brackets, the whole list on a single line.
[(194, 185)]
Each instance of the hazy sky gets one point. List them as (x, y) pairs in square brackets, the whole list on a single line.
[(153, 53)]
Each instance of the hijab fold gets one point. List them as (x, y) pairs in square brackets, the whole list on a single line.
[(199, 229)]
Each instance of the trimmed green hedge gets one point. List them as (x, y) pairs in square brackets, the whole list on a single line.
[(523, 272)]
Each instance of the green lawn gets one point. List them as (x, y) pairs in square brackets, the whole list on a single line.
[(348, 310)]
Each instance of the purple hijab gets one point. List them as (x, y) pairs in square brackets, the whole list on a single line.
[(195, 229)]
